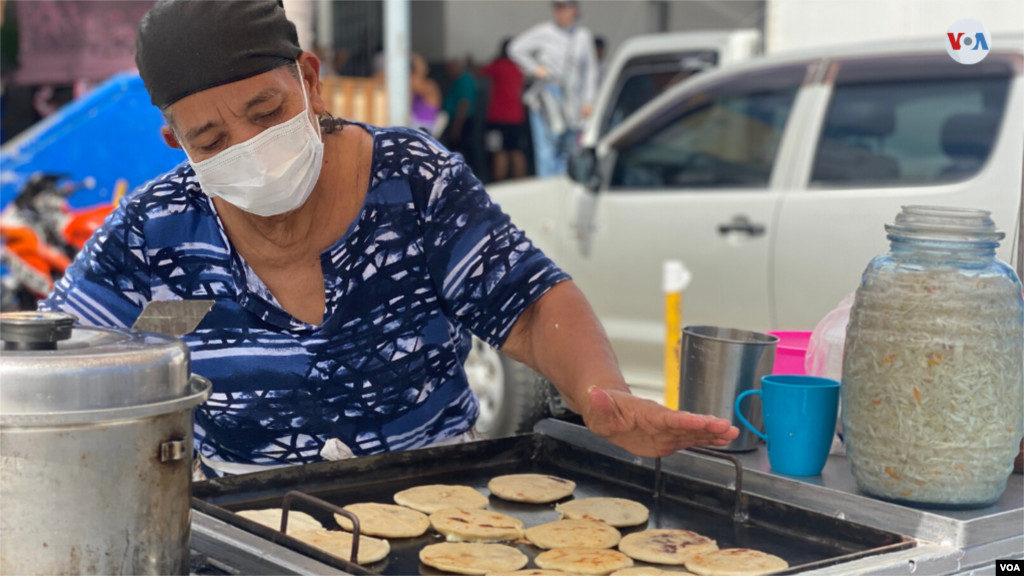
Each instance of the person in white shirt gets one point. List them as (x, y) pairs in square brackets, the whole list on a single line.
[(559, 56), (602, 62)]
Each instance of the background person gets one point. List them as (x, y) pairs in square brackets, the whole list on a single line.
[(426, 98), (460, 105), (559, 56), (506, 117)]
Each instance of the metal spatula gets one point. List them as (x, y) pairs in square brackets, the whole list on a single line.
[(174, 317)]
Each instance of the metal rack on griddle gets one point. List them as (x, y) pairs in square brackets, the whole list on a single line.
[(739, 509), (282, 537), (806, 539)]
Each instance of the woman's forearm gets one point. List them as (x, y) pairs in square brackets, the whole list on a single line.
[(560, 337)]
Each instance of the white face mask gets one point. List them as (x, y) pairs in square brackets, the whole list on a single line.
[(271, 173)]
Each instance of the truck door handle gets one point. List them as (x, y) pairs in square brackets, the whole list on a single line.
[(742, 224)]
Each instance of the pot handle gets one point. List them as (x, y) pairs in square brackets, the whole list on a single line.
[(172, 450), (35, 330)]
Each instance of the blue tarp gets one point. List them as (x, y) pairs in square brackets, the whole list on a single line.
[(111, 133)]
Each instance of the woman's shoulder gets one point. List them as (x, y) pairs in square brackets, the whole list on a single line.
[(411, 153), (176, 192), (404, 141)]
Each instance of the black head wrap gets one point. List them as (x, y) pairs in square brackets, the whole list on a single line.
[(187, 46)]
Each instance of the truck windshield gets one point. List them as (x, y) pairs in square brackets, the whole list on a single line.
[(644, 78), (725, 135)]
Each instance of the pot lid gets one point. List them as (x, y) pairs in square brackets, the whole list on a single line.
[(49, 365)]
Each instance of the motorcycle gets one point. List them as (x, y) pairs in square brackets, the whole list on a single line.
[(42, 234)]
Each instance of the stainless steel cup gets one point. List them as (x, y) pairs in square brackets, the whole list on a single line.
[(719, 364)]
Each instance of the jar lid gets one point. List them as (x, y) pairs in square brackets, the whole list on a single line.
[(945, 223), (50, 366)]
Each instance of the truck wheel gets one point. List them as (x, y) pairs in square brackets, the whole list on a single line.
[(512, 397)]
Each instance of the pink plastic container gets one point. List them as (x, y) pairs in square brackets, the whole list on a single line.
[(790, 352)]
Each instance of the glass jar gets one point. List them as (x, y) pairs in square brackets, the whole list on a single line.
[(933, 390)]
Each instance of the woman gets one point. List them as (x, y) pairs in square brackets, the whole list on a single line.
[(426, 99), (348, 265)]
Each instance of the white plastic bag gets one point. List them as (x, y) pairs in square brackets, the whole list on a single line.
[(825, 356), (825, 349)]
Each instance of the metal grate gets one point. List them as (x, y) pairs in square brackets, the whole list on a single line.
[(359, 31)]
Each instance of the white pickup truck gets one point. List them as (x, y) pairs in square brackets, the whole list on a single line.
[(512, 398), (771, 179)]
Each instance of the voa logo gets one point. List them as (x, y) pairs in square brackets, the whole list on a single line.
[(1004, 567), (967, 41)]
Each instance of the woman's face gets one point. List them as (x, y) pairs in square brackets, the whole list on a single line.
[(208, 122), (419, 66)]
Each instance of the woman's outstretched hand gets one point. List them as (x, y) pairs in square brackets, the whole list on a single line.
[(649, 429)]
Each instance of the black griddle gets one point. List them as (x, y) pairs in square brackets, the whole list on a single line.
[(805, 539)]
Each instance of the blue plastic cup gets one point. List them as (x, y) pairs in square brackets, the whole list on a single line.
[(799, 418)]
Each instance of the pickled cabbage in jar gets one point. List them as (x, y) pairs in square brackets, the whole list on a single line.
[(933, 373)]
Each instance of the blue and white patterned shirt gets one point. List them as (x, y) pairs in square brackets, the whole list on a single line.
[(428, 259)]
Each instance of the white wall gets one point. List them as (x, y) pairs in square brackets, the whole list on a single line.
[(428, 32), (476, 27), (302, 13), (794, 24)]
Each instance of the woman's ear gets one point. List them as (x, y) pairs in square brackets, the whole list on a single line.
[(169, 138), (311, 76)]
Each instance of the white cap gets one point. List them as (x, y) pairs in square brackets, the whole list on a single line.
[(675, 276)]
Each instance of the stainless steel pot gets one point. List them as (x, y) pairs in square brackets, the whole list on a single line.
[(95, 448), (719, 364)]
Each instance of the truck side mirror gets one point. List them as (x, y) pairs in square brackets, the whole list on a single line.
[(583, 168)]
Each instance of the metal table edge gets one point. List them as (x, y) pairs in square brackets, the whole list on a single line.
[(919, 524), (899, 562)]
